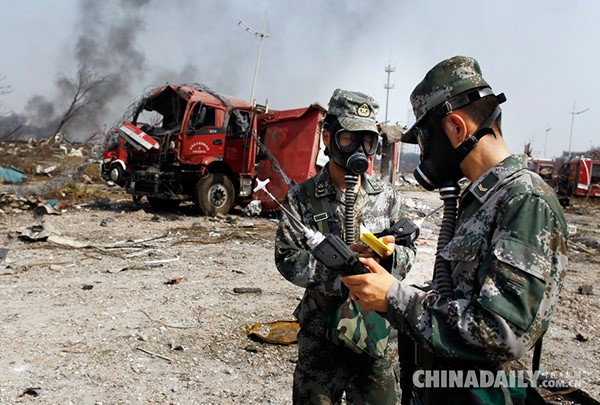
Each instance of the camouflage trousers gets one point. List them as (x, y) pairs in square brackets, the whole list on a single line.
[(325, 371)]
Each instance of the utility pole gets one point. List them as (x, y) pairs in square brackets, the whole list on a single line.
[(388, 69), (388, 150), (573, 113), (262, 35)]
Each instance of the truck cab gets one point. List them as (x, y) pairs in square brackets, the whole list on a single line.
[(173, 149)]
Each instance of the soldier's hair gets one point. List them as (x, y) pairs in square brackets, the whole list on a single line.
[(481, 109), (330, 121)]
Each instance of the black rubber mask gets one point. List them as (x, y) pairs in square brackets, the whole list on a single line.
[(439, 160), (352, 149)]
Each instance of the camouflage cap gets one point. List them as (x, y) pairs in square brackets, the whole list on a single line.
[(355, 111), (445, 80)]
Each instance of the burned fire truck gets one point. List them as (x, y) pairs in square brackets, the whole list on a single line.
[(188, 143), (580, 177)]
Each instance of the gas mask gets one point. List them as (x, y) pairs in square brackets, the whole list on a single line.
[(440, 162), (352, 149)]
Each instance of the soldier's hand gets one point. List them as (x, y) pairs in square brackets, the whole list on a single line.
[(370, 290), (366, 252), (363, 251), (389, 240)]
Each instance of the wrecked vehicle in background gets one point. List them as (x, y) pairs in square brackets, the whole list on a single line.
[(188, 143), (579, 177)]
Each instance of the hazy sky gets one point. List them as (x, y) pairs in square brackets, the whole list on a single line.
[(544, 55)]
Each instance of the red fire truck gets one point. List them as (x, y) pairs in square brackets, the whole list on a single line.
[(188, 143)]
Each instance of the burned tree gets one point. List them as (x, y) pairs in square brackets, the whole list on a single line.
[(4, 89), (81, 92)]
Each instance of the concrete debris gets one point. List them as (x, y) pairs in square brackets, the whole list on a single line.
[(253, 209), (39, 169), (10, 203)]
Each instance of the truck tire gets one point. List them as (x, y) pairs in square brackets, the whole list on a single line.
[(163, 204), (214, 194), (116, 174)]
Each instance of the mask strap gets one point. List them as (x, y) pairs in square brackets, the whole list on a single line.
[(484, 129)]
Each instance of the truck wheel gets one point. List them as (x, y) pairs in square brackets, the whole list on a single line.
[(214, 194), (163, 204), (117, 174)]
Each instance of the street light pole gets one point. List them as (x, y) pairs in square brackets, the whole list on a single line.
[(546, 140), (261, 35), (573, 113)]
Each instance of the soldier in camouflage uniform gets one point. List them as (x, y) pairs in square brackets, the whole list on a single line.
[(508, 255), (325, 370)]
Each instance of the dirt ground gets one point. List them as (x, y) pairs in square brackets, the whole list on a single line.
[(125, 305)]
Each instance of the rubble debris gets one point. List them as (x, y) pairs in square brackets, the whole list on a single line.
[(586, 289), (107, 221), (247, 290), (173, 346), (33, 391), (166, 325), (70, 242), (277, 332), (174, 281), (12, 203), (155, 355), (39, 169), (392, 133), (161, 262), (34, 233), (253, 209), (251, 349), (118, 269), (42, 209)]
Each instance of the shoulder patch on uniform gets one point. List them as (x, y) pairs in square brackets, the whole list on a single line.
[(372, 186), (486, 184)]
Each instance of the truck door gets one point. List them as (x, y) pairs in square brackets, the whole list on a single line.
[(204, 134), (240, 148)]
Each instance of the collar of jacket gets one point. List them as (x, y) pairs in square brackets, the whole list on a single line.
[(482, 187), (324, 186)]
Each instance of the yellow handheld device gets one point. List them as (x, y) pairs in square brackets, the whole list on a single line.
[(373, 241)]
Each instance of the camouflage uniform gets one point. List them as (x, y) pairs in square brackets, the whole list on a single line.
[(325, 370), (508, 258)]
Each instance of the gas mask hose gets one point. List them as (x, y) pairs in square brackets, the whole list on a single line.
[(442, 276), (351, 182)]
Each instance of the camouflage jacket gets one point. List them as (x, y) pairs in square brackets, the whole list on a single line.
[(377, 206), (508, 258)]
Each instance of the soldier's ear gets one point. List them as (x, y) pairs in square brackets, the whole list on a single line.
[(456, 128), (326, 135)]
